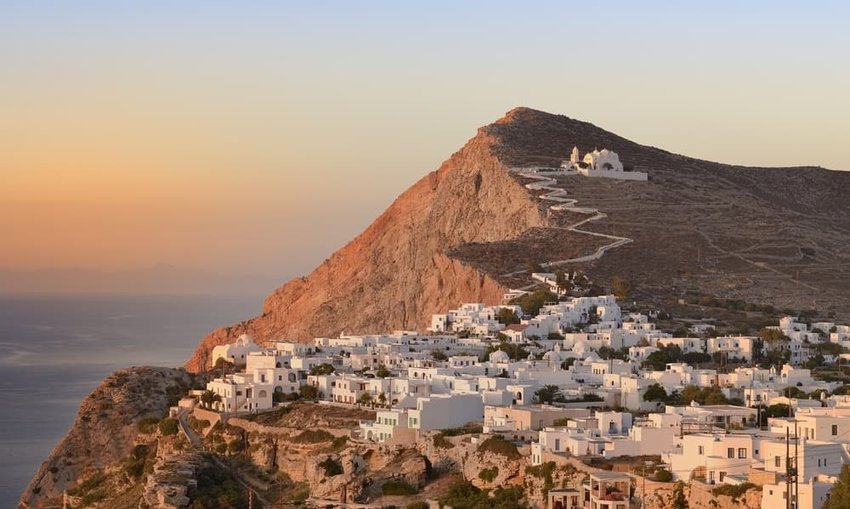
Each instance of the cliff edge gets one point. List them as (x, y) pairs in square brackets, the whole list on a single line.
[(105, 430)]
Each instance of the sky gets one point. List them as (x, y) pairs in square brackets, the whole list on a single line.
[(257, 138)]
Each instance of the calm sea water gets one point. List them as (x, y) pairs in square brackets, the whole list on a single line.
[(55, 350)]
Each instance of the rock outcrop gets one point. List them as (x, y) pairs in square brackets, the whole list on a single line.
[(105, 430)]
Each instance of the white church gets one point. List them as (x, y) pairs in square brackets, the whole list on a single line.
[(601, 163)]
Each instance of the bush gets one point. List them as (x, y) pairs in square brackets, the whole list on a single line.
[(217, 488), (168, 427), (134, 465), (88, 485), (312, 436), (339, 443), (488, 474), (417, 505), (663, 476), (735, 491), (441, 442), (300, 494), (439, 356), (308, 392), (532, 302), (147, 425), (500, 446), (463, 495), (507, 316), (400, 488)]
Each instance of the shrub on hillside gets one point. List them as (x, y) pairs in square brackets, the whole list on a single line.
[(147, 425), (400, 488), (168, 427), (500, 446)]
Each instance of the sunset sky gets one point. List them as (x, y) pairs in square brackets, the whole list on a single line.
[(258, 139)]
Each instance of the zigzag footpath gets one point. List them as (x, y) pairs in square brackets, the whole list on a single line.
[(563, 204)]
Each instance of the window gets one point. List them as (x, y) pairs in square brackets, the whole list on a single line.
[(742, 453), (730, 452), (700, 450), (777, 461), (834, 429), (722, 476)]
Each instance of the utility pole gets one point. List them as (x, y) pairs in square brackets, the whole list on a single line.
[(787, 468), (796, 464)]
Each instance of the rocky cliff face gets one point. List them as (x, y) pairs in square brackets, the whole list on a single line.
[(396, 274), (105, 430)]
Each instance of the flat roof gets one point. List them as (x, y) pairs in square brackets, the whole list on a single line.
[(605, 475)]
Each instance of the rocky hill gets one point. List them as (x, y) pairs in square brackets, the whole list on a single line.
[(105, 433), (776, 236)]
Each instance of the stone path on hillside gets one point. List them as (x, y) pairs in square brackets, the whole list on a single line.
[(564, 204)]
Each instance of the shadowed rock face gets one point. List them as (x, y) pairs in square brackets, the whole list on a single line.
[(766, 235)]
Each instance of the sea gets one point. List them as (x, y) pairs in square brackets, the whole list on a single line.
[(55, 349)]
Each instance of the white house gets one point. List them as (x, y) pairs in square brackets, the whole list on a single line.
[(441, 411), (236, 352)]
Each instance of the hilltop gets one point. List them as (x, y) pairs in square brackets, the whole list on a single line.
[(466, 231)]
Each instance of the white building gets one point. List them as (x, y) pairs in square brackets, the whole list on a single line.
[(601, 163), (235, 353), (441, 411), (714, 455)]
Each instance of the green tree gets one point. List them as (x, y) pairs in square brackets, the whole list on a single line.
[(309, 392), (663, 475), (513, 350), (679, 499), (696, 358), (839, 495), (703, 395), (621, 287), (567, 363), (607, 353), (322, 369), (437, 355), (776, 357), (208, 398), (365, 398), (549, 394), (168, 426), (655, 392), (666, 354), (383, 372), (563, 282), (772, 335), (532, 302), (507, 316), (794, 392)]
